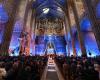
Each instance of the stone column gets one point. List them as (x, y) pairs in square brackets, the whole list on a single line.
[(9, 26), (80, 36), (95, 23), (29, 31), (33, 25), (26, 7), (36, 27), (69, 26), (66, 32)]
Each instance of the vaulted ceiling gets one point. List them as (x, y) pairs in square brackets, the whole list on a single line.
[(54, 8), (49, 8)]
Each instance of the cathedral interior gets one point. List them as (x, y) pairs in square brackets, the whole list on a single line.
[(49, 28), (68, 25)]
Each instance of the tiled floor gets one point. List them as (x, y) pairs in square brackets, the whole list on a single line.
[(52, 72)]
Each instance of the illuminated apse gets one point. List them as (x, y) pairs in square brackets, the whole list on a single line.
[(59, 44)]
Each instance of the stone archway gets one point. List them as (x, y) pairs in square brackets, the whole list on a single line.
[(50, 49)]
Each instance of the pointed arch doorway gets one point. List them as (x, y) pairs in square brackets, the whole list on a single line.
[(50, 49)]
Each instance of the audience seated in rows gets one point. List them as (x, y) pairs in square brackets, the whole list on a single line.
[(79, 68), (23, 68)]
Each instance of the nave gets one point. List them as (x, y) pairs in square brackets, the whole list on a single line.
[(32, 30)]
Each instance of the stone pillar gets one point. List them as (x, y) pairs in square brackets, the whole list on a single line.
[(95, 23), (36, 27), (33, 25), (66, 32), (69, 26), (27, 7), (29, 31), (9, 27), (80, 36)]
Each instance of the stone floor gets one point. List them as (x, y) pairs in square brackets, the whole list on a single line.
[(51, 72)]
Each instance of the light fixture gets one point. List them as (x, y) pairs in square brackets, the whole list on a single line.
[(46, 10), (59, 9)]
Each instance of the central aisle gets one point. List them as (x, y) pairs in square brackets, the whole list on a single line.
[(51, 70)]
